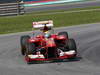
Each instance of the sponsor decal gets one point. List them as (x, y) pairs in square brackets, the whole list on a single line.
[(46, 2)]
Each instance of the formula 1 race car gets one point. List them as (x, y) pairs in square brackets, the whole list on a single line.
[(47, 46)]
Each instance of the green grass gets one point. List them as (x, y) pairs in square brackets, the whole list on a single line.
[(24, 22)]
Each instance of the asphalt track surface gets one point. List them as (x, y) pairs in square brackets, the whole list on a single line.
[(65, 6), (87, 38)]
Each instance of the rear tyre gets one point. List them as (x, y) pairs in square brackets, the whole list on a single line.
[(23, 41), (63, 33)]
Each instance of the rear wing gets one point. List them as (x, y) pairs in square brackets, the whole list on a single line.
[(42, 24)]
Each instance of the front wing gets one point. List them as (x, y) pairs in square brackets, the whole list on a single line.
[(40, 57)]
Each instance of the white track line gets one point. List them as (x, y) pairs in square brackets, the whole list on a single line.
[(27, 32)]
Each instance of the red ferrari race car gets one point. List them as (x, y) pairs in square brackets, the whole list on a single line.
[(47, 46)]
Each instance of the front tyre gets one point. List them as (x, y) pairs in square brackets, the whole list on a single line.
[(31, 49), (72, 46), (23, 41)]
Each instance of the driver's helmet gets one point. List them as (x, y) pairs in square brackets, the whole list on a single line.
[(47, 34)]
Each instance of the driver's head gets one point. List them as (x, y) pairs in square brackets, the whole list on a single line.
[(47, 34)]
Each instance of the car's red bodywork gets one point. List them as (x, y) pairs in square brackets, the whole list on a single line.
[(45, 43)]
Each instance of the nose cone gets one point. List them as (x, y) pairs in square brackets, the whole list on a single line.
[(51, 43)]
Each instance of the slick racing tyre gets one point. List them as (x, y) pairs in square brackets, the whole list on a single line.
[(72, 46), (63, 33), (31, 49), (23, 41)]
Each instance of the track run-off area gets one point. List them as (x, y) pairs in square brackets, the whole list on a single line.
[(62, 6), (87, 37)]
